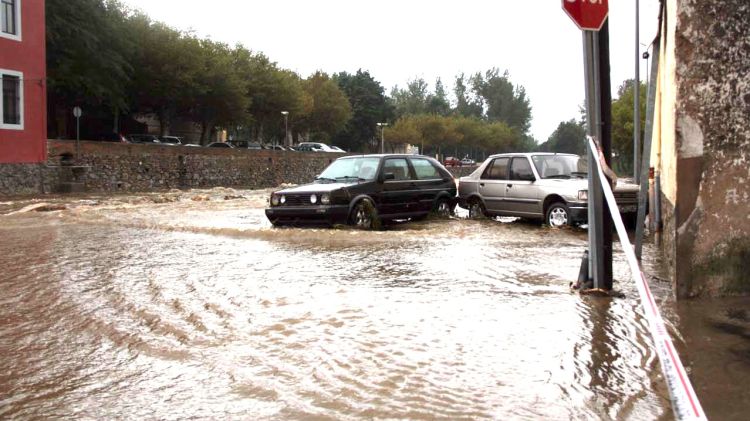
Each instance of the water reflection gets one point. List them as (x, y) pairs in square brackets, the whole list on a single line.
[(143, 307)]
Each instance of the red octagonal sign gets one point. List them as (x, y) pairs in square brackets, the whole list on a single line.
[(589, 15)]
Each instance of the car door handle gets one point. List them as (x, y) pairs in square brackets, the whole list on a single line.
[(481, 184), (510, 185)]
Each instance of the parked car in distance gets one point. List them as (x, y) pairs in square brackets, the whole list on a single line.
[(468, 162), (451, 161), (547, 186), (277, 148), (337, 149), (316, 147), (110, 137), (171, 140), (366, 190), (245, 144), (143, 138), (220, 145)]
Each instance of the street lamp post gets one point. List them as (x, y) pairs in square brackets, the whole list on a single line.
[(286, 128), (382, 136)]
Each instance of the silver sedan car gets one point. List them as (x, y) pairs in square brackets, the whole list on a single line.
[(547, 186)]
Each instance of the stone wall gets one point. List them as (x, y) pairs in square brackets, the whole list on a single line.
[(110, 167), (27, 179), (705, 152)]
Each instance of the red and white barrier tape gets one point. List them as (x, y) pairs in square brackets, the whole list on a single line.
[(684, 401)]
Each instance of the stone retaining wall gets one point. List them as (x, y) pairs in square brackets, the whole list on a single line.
[(27, 179), (134, 167)]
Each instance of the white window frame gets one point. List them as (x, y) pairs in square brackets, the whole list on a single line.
[(16, 37), (19, 75)]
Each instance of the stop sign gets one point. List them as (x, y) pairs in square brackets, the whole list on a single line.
[(589, 15)]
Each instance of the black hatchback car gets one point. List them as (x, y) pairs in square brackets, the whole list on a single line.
[(367, 190)]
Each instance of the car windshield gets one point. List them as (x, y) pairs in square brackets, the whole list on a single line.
[(560, 166), (362, 168)]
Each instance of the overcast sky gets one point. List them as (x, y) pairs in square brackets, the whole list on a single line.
[(400, 40)]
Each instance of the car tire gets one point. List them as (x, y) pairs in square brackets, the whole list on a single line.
[(364, 216), (476, 209), (558, 215), (442, 208)]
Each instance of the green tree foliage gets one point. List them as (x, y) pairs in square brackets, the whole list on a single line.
[(168, 68), (458, 136), (220, 90), (502, 100), (369, 107), (437, 103), (88, 55), (467, 105), (569, 137), (622, 125), (271, 90), (326, 109)]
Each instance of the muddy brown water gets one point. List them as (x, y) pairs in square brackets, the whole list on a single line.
[(190, 305)]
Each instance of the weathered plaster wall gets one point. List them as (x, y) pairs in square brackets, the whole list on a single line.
[(711, 44)]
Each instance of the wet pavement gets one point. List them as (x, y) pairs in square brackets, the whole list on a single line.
[(190, 305)]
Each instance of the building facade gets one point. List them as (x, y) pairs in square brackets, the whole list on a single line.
[(701, 145), (23, 108)]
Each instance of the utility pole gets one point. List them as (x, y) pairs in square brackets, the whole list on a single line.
[(382, 136), (637, 99), (286, 128), (605, 104)]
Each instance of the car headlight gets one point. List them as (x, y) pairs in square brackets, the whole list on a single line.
[(282, 200), (274, 200), (583, 195), (325, 199), (313, 199)]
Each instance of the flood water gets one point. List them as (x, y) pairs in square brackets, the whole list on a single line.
[(190, 305)]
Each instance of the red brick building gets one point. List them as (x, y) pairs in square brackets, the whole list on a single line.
[(23, 108)]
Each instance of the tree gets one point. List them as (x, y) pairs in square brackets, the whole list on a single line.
[(326, 108), (622, 125), (88, 56), (220, 93), (437, 103), (412, 100), (369, 106), (502, 100), (569, 137), (168, 66), (271, 90), (466, 105)]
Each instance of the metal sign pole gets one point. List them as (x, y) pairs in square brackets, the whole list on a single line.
[(593, 117)]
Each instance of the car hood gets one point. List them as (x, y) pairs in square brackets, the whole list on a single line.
[(315, 188)]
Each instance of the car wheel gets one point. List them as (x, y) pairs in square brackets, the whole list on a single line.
[(443, 208), (558, 215), (364, 216), (476, 209)]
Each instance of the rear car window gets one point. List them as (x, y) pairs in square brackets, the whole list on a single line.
[(497, 170), (399, 167), (520, 169), (425, 169)]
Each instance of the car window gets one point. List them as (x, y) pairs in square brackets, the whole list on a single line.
[(399, 167), (425, 169), (497, 170), (520, 169)]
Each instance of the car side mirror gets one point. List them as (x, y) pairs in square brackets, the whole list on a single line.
[(529, 177)]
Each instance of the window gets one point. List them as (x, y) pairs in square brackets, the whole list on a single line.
[(10, 19), (425, 170), (398, 167), (497, 170), (11, 106), (520, 169)]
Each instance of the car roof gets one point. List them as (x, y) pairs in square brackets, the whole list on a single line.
[(387, 155), (530, 154)]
